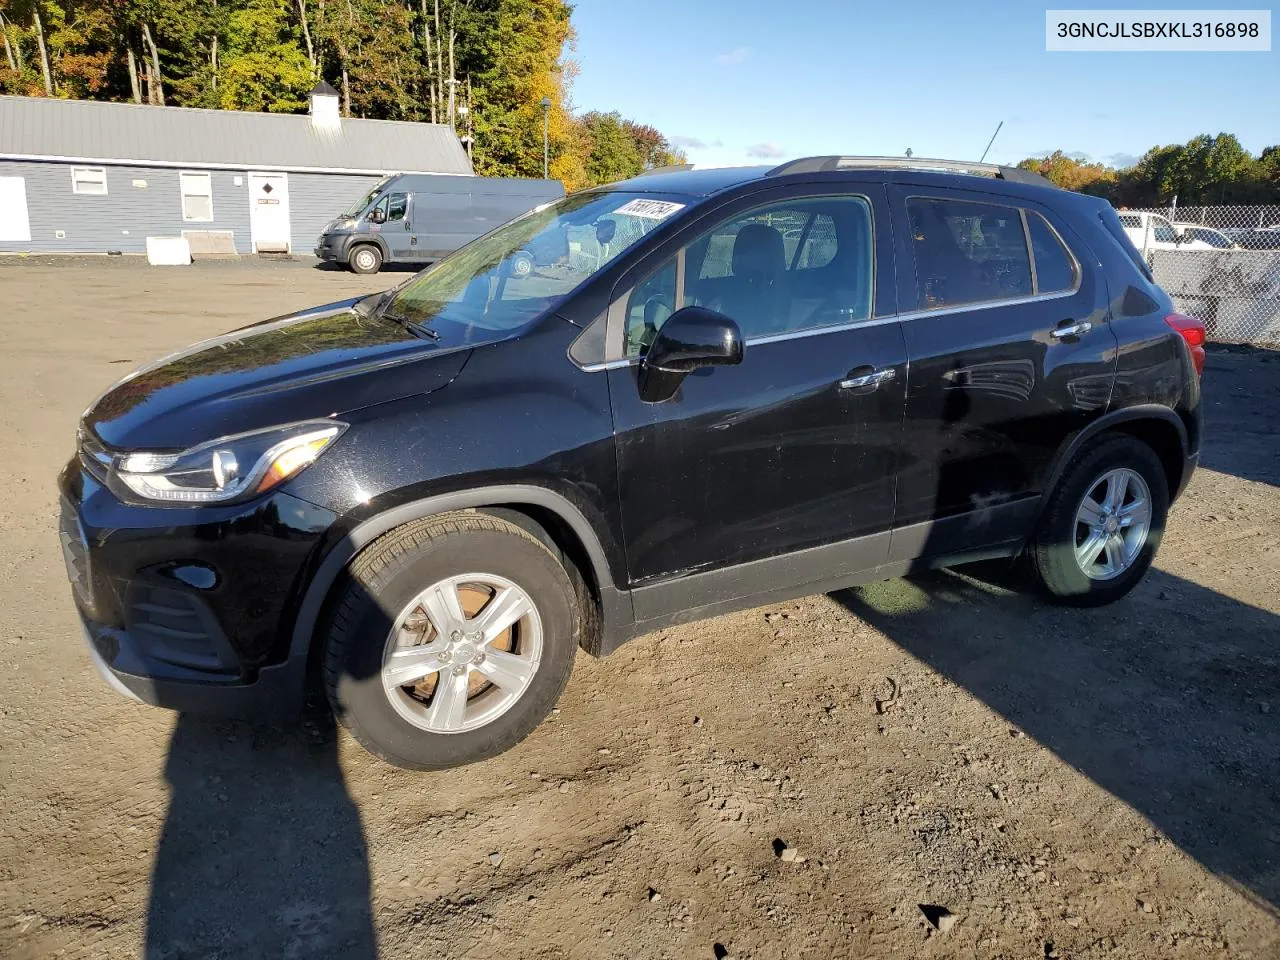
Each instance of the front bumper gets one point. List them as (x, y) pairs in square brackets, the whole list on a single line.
[(331, 249), (191, 608)]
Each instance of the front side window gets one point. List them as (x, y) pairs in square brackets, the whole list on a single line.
[(790, 266), (391, 207), (89, 180), (513, 275), (197, 196), (968, 252), (1055, 267)]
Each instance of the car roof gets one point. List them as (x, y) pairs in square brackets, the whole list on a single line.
[(690, 181)]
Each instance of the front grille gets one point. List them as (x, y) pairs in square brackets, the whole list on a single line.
[(75, 552), (94, 456), (176, 627)]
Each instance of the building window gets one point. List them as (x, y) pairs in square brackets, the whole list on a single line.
[(197, 196), (89, 180)]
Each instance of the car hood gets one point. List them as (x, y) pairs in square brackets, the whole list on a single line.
[(318, 363)]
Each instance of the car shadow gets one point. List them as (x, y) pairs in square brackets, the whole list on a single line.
[(262, 852), (1166, 699)]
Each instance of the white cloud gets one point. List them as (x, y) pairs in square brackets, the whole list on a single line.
[(694, 143), (736, 55), (766, 151), (1122, 160)]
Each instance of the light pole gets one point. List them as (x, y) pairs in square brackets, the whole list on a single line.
[(467, 140), (546, 125)]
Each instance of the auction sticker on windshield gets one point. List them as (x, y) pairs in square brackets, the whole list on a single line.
[(649, 209)]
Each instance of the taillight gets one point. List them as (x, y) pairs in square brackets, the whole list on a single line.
[(1192, 330)]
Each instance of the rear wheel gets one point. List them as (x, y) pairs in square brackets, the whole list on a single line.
[(452, 640), (1103, 523), (366, 258)]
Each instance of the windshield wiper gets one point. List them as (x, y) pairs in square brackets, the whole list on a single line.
[(412, 326)]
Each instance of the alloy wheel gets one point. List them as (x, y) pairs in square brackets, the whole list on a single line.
[(462, 652), (1112, 523)]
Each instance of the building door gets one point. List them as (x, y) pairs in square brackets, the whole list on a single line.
[(14, 225), (269, 212)]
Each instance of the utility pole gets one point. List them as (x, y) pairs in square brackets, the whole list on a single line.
[(546, 128)]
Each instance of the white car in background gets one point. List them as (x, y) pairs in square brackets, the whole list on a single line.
[(1151, 231)]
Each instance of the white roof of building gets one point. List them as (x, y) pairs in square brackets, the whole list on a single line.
[(40, 128)]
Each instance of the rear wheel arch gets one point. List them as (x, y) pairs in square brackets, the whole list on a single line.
[(1157, 426), (547, 515)]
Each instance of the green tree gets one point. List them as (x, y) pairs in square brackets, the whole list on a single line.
[(264, 66)]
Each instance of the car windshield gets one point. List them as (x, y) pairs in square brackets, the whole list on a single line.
[(358, 207), (510, 276)]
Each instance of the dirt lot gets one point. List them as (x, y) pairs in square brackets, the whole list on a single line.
[(1066, 783)]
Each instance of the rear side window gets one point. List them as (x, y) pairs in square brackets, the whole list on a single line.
[(968, 252), (1055, 268)]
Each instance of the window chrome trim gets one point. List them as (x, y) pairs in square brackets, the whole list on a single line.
[(988, 304)]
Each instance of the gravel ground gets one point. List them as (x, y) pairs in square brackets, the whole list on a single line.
[(793, 781)]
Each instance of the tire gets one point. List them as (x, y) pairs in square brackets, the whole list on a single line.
[(383, 583), (1061, 533), (365, 258)]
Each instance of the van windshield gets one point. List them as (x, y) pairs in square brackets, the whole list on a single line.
[(359, 206), (510, 276)]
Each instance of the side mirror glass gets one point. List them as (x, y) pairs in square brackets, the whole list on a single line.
[(691, 338)]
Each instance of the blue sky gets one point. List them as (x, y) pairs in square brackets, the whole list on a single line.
[(742, 81)]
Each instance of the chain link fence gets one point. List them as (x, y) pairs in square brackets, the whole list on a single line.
[(1221, 264)]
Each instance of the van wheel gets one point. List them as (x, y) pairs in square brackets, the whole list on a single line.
[(366, 258), (451, 640), (522, 264), (1103, 523)]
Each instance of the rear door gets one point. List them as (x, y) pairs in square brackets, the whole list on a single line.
[(794, 448), (1009, 353)]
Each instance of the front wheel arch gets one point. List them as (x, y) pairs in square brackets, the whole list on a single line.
[(560, 521)]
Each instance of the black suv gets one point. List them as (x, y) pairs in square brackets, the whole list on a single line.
[(715, 389)]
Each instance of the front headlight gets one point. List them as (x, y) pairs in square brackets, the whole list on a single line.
[(230, 468)]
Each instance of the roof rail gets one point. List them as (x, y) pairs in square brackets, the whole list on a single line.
[(827, 164), (669, 168)]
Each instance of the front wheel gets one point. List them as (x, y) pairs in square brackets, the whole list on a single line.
[(366, 258), (1103, 523), (452, 640)]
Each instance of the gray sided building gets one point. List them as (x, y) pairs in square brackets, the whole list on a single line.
[(79, 176)]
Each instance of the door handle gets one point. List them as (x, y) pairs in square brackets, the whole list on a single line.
[(872, 379), (1067, 330)]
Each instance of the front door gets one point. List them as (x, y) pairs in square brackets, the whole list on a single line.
[(14, 223), (795, 447), (1010, 351), (393, 222), (269, 212)]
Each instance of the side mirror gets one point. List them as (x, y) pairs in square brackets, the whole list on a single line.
[(605, 230), (377, 216), (692, 338)]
